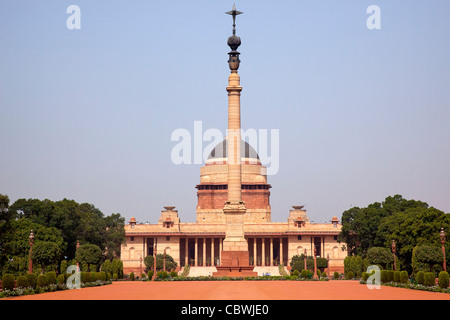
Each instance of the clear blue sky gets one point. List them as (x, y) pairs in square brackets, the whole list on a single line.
[(88, 114)]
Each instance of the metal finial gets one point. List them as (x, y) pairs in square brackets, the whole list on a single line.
[(234, 13)]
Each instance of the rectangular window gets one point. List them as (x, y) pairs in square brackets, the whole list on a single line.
[(132, 238), (299, 237), (167, 238)]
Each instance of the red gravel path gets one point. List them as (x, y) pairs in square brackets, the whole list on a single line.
[(238, 290)]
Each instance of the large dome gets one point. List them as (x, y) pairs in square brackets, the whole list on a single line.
[(219, 153)]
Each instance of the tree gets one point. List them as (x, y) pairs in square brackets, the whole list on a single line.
[(379, 256), (5, 226), (170, 262), (427, 255), (89, 254), (46, 254)]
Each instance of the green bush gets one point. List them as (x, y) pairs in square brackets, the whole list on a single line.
[(162, 274), (365, 276), (324, 275), (390, 275), (150, 274), (85, 277), (350, 275), (132, 276), (51, 275), (61, 279), (93, 276), (102, 276), (396, 276), (429, 279), (173, 274), (22, 282), (420, 277), (384, 276), (8, 281), (32, 279), (296, 273), (115, 276), (304, 273), (404, 277), (42, 281), (443, 279), (336, 275)]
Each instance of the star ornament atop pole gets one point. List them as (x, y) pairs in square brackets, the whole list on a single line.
[(234, 13)]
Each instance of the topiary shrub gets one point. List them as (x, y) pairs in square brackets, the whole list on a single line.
[(420, 277), (324, 275), (429, 279), (132, 276), (85, 277), (150, 274), (22, 282), (296, 273), (42, 281), (61, 279), (93, 276), (336, 275), (390, 275), (173, 274), (384, 276), (32, 280), (365, 276), (350, 275), (115, 276), (51, 275), (7, 282), (102, 276), (443, 279), (404, 277), (396, 276), (304, 273)]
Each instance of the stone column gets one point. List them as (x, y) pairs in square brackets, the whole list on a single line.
[(204, 252), (196, 253), (220, 250), (263, 251), (281, 251), (212, 252), (186, 253), (255, 251), (271, 252)]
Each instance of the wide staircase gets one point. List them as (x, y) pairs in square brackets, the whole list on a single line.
[(208, 271)]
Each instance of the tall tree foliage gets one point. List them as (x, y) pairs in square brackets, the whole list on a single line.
[(408, 222), (60, 222)]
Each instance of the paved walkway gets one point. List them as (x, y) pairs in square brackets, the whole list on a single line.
[(238, 290)]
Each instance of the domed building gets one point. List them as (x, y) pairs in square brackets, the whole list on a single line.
[(233, 234), (213, 188)]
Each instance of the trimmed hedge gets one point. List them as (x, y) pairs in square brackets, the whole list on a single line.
[(51, 275), (420, 277), (8, 281), (443, 279), (60, 279), (429, 279), (32, 280), (404, 277), (42, 281), (396, 276), (390, 275), (22, 282)]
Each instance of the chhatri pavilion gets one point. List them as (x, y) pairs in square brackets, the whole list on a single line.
[(233, 233)]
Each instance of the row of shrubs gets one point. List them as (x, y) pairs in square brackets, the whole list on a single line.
[(33, 283), (422, 279)]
